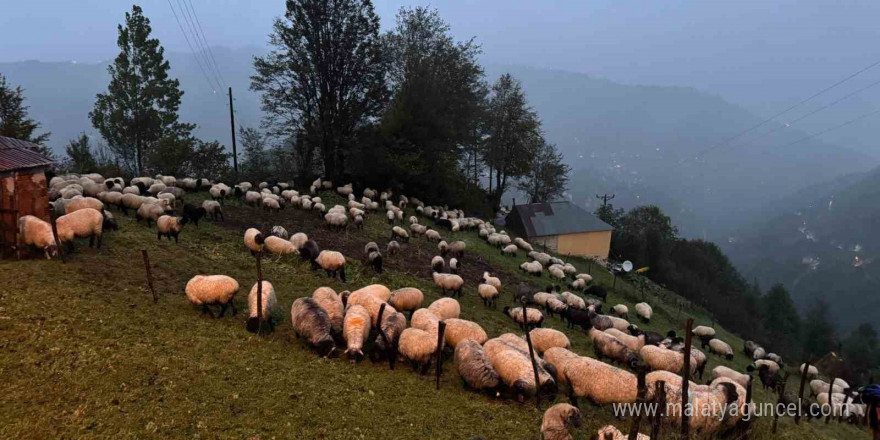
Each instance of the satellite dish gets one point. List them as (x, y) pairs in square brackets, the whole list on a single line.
[(627, 266)]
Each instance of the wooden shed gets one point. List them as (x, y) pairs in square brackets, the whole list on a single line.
[(23, 188), (561, 227)]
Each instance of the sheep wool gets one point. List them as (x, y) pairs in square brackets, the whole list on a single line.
[(424, 319), (457, 330), (448, 282), (279, 246), (254, 240), (659, 358), (772, 366), (84, 223), (268, 302), (85, 202), (37, 232), (298, 240), (722, 371), (309, 320), (616, 434), (417, 346), (406, 299), (372, 304), (333, 263), (392, 326), (558, 357), (721, 348), (599, 382), (607, 346), (445, 308), (399, 233), (644, 311), (150, 212), (169, 226), (332, 305), (544, 339), (488, 293), (634, 343), (379, 291), (356, 328), (812, 372), (512, 366), (204, 290), (534, 317), (558, 419), (474, 366), (493, 281)]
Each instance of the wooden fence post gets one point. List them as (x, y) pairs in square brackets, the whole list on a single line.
[(660, 401), (149, 275), (392, 353), (743, 425), (534, 364), (780, 390), (259, 294), (61, 250), (640, 401), (685, 379), (830, 402), (800, 396), (441, 329)]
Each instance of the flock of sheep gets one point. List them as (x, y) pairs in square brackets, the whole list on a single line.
[(371, 321)]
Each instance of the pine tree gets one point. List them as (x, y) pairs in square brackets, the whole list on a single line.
[(548, 178), (820, 336), (141, 104), (14, 120), (79, 155)]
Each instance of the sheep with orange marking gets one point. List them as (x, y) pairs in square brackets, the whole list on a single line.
[(205, 290), (356, 328)]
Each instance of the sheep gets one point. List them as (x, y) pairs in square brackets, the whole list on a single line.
[(149, 212), (37, 232), (515, 369), (169, 227), (299, 239), (599, 292), (659, 358), (253, 198), (374, 258), (704, 333), (392, 248), (488, 293), (445, 308), (407, 299), (80, 224), (432, 235), (493, 281), (393, 324), (812, 372), (474, 366), (749, 348), (457, 249), (759, 353), (820, 386), (557, 421), (332, 262), (615, 434), (557, 357), (573, 300), (556, 272), (254, 240), (309, 320), (424, 319), (391, 216), (449, 282), (458, 330), (417, 229), (194, 214), (522, 244), (721, 348), (417, 346), (443, 247), (168, 197), (578, 285), (740, 378), (399, 233), (607, 346), (544, 339), (774, 357), (634, 343), (332, 305), (533, 268), (218, 192), (278, 246), (280, 232), (453, 265), (204, 290), (643, 310), (620, 310), (82, 203), (370, 301), (268, 302), (356, 328), (534, 317), (597, 381), (437, 264), (554, 305)]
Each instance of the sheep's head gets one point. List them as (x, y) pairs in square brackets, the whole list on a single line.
[(326, 347), (573, 417), (51, 251), (354, 356)]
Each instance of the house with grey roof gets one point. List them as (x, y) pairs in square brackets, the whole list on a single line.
[(561, 227)]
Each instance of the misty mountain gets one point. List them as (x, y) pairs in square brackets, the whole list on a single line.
[(827, 248), (638, 142)]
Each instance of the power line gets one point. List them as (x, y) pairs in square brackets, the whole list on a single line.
[(851, 121), (765, 121), (210, 52), (191, 27), (198, 61)]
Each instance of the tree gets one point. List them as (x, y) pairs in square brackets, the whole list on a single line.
[(781, 319), (172, 155), (324, 78), (609, 215), (820, 336), (548, 178), (209, 160), (141, 104), (255, 164), (438, 94), (863, 349), (14, 120), (80, 158), (514, 136)]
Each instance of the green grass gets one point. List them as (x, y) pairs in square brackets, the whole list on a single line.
[(85, 353)]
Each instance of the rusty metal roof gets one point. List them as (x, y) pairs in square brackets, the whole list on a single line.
[(16, 154), (556, 218)]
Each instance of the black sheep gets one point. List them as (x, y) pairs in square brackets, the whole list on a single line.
[(193, 213), (524, 294), (444, 222), (651, 338), (375, 260), (598, 291), (579, 317), (309, 251)]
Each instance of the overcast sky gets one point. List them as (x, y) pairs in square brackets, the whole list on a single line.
[(756, 52)]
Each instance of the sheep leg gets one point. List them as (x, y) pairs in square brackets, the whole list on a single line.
[(223, 309), (206, 309), (175, 237), (159, 236), (91, 241), (100, 237), (425, 368), (342, 274)]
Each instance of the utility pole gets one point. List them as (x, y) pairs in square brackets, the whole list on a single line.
[(605, 198), (232, 126)]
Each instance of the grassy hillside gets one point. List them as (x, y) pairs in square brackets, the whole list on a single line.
[(85, 353)]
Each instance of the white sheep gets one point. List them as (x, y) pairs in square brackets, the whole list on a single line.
[(356, 329), (254, 240), (644, 311), (80, 224), (332, 262), (268, 303), (449, 282), (205, 290), (169, 226)]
